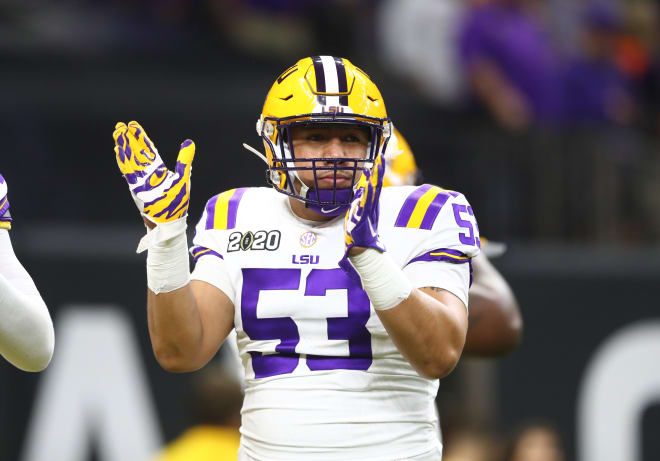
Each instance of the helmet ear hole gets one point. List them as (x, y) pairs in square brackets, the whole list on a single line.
[(269, 129)]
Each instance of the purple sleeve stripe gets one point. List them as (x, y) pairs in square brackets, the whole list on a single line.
[(198, 252), (446, 255), (409, 205), (232, 208), (443, 254), (434, 208), (210, 212), (4, 206)]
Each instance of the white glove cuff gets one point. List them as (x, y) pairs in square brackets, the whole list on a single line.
[(168, 267), (385, 283)]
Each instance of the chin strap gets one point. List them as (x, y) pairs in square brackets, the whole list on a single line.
[(255, 152), (304, 189)]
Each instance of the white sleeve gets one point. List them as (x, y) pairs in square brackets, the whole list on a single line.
[(213, 270), (443, 257), (454, 278), (27, 338), (210, 266)]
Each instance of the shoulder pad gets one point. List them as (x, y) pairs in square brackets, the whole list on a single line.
[(422, 206), (221, 210)]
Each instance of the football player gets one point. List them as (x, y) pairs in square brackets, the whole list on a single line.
[(348, 299), (27, 338), (494, 320)]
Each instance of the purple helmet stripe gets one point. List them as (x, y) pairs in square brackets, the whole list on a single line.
[(320, 78), (409, 205), (232, 207), (341, 77)]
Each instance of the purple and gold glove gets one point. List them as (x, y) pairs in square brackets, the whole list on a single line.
[(5, 217), (162, 196), (361, 221)]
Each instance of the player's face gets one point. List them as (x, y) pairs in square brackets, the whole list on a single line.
[(332, 142)]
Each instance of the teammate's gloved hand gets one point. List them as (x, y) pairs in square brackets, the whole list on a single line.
[(5, 217), (361, 221), (162, 196)]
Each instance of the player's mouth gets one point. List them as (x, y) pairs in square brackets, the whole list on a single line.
[(329, 182)]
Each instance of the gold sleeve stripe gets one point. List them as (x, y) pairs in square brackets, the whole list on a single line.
[(422, 207), (458, 258), (222, 209)]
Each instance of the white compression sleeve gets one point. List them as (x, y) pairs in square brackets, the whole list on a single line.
[(27, 338), (385, 283)]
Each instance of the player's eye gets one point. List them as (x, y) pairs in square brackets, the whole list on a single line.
[(316, 137)]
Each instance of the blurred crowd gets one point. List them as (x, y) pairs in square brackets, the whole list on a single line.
[(533, 441), (561, 105)]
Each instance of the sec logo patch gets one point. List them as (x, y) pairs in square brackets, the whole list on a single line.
[(308, 239)]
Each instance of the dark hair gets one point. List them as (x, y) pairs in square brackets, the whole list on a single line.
[(217, 398)]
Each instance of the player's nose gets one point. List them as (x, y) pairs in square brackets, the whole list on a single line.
[(333, 148)]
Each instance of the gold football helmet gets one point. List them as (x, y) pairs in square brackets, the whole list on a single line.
[(320, 90)]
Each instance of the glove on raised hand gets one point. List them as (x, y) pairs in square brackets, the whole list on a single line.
[(361, 221), (161, 195)]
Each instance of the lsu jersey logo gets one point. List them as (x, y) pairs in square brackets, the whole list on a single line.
[(259, 240), (304, 259)]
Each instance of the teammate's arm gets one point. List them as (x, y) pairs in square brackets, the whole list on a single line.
[(494, 321), (188, 321), (27, 338)]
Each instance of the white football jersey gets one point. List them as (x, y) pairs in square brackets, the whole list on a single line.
[(323, 379)]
